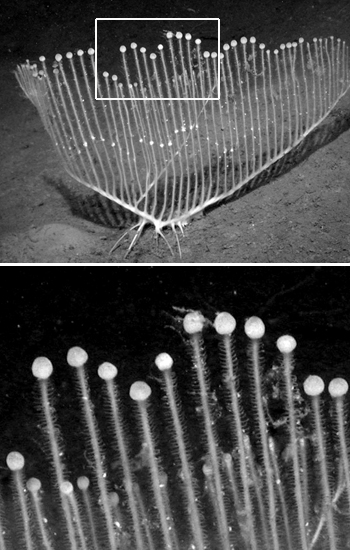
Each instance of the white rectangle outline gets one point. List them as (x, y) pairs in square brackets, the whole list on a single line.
[(158, 19)]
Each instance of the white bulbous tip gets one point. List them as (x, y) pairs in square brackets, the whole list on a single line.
[(80, 53), (58, 57), (286, 344), (107, 371), (114, 499), (254, 328), (224, 323), (207, 470), (244, 40), (66, 488), (42, 368), (338, 387), (122, 49), (163, 361), (69, 55), (252, 39), (42, 58), (33, 485), (140, 391), (15, 461), (193, 322), (163, 479), (77, 357), (83, 483), (227, 458), (313, 385), (91, 51), (178, 35)]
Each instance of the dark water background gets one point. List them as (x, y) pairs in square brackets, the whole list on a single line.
[(126, 315)]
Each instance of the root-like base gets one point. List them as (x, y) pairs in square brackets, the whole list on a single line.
[(140, 227)]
